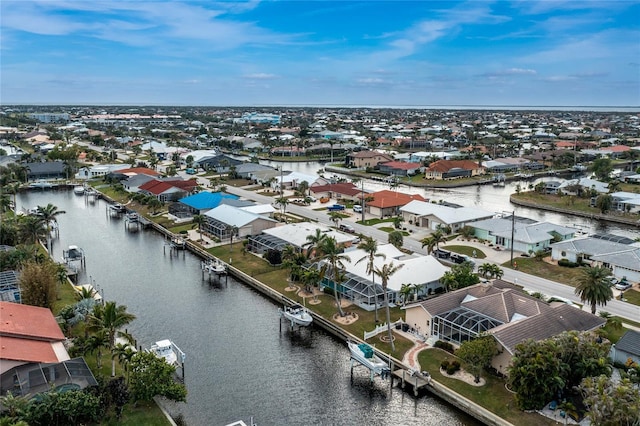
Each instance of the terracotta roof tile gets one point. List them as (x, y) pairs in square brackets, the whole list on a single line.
[(17, 349), (387, 198), (28, 321)]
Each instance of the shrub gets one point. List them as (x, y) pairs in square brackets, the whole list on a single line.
[(567, 263), (456, 364), (444, 364), (451, 369), (444, 345)]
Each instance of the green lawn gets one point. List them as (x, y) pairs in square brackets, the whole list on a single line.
[(546, 270), (144, 413), (370, 222), (391, 229), (566, 202), (467, 250), (493, 395)]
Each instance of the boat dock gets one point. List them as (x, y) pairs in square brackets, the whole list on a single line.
[(415, 379), (133, 221)]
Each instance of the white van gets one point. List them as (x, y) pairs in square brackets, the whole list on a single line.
[(357, 208)]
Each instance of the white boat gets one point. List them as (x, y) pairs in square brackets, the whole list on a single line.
[(78, 190), (298, 315), (168, 350), (366, 356), (214, 266)]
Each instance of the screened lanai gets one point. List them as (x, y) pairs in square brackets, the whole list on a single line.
[(10, 286), (360, 290), (263, 242), (461, 325), (218, 229)]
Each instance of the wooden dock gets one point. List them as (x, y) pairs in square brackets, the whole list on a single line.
[(415, 379)]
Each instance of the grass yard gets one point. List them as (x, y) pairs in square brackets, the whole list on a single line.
[(632, 296), (370, 222), (466, 250), (546, 270), (144, 413), (493, 395)]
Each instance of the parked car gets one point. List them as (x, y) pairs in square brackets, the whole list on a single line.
[(357, 208), (347, 228), (623, 284), (335, 208)]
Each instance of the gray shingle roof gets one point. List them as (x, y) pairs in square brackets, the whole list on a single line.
[(630, 342)]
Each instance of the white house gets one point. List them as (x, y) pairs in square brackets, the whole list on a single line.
[(430, 215)]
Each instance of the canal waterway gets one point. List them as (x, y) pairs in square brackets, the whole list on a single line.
[(488, 197), (239, 364)]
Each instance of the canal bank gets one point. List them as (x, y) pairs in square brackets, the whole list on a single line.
[(434, 387)]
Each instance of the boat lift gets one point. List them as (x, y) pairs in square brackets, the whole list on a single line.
[(214, 268)]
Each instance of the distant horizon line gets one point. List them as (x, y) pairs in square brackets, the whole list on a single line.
[(354, 106)]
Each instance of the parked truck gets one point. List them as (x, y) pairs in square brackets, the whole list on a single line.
[(335, 208)]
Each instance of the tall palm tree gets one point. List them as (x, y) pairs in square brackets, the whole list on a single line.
[(97, 342), (49, 215), (595, 287), (428, 242), (370, 246), (110, 318), (199, 220), (335, 218), (405, 291), (313, 242), (387, 270), (31, 228), (332, 254), (123, 352)]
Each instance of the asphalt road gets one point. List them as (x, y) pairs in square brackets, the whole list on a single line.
[(529, 282)]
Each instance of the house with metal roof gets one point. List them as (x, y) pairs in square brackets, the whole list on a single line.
[(525, 235), (574, 186), (622, 259), (295, 235), (226, 221), (201, 202), (501, 309), (421, 272), (627, 348), (46, 170), (431, 215), (400, 168), (626, 201)]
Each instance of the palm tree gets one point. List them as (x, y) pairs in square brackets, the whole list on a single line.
[(109, 318), (331, 253), (449, 281), (232, 230), (49, 215), (123, 352), (370, 246), (97, 342), (199, 220), (595, 287), (387, 270), (313, 241), (429, 242), (485, 269), (31, 228), (405, 291), (310, 278), (335, 218)]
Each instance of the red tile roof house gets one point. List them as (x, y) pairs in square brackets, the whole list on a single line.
[(453, 169), (400, 168), (167, 190), (339, 191), (29, 334), (387, 203)]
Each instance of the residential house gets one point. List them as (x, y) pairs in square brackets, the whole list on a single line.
[(340, 191), (366, 159), (293, 179), (226, 221), (47, 170), (626, 201), (245, 170), (295, 235), (400, 168), (453, 169), (421, 272), (498, 308), (387, 203), (575, 186), (431, 216), (220, 163), (623, 259), (163, 190), (99, 170), (525, 235), (199, 203), (627, 348)]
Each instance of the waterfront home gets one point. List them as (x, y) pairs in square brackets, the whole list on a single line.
[(220, 163), (551, 186), (99, 170), (295, 235), (47, 170), (199, 203), (577, 186), (366, 159), (171, 189), (293, 179), (431, 216), (453, 169), (400, 168), (423, 273), (627, 348), (622, 256), (501, 309), (226, 221), (505, 165), (626, 201), (387, 203), (529, 236), (29, 334), (245, 170)]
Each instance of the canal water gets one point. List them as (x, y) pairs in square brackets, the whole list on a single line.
[(488, 197), (239, 364)]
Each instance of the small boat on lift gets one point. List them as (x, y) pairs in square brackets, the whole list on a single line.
[(214, 266), (297, 315), (78, 189), (366, 356)]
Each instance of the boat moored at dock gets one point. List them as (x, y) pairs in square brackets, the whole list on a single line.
[(365, 355), (168, 350), (297, 315)]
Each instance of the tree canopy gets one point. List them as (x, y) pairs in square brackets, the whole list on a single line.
[(151, 376)]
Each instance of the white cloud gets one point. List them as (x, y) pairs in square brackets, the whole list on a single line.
[(260, 76)]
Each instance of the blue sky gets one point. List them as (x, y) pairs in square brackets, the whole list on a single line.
[(374, 53)]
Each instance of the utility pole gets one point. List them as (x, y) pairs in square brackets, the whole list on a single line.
[(362, 200), (513, 226)]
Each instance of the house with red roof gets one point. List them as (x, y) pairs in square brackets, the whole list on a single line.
[(453, 169), (29, 334), (168, 190), (387, 203), (400, 168), (340, 191)]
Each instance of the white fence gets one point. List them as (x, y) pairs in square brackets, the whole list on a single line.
[(379, 329)]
